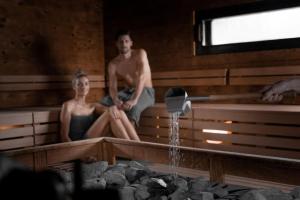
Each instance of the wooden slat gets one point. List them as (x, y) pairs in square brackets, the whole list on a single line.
[(160, 110), (249, 107), (71, 153), (255, 183), (264, 71), (164, 132), (189, 82), (15, 118), (251, 140), (26, 159), (187, 172), (16, 132), (163, 140), (147, 139), (189, 74), (46, 139), (285, 131), (255, 151), (16, 143), (258, 80), (46, 116), (43, 78), (182, 142), (43, 86), (164, 122), (46, 128), (247, 116)]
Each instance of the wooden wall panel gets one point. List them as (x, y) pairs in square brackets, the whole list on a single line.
[(164, 30), (49, 38)]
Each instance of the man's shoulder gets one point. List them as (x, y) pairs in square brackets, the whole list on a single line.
[(115, 61), (140, 52)]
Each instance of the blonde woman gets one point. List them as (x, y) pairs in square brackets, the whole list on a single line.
[(80, 119)]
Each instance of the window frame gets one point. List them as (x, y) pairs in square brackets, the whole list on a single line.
[(265, 5)]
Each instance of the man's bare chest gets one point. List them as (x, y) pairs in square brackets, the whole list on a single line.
[(127, 71)]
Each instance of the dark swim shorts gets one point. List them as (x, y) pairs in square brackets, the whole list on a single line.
[(147, 99)]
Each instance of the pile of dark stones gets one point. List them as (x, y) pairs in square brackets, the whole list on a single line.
[(135, 181)]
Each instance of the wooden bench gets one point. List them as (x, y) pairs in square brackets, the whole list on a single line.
[(263, 75), (154, 126), (29, 127), (222, 166), (16, 130), (255, 129), (41, 82), (190, 78)]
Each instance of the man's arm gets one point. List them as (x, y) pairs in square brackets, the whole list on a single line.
[(276, 91), (141, 74), (113, 84), (65, 119)]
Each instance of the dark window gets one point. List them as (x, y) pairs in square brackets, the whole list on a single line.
[(256, 26)]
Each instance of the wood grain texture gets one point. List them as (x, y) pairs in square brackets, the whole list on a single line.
[(51, 40), (167, 36)]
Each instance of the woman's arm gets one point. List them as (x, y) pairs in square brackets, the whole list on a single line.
[(65, 119), (99, 108)]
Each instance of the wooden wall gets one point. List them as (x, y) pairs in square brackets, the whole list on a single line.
[(164, 29), (40, 37)]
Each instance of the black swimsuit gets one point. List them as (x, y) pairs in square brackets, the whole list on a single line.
[(79, 126)]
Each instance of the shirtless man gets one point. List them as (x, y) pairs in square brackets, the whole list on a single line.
[(125, 106)]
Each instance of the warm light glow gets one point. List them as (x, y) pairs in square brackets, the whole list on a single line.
[(214, 142), (215, 131), (5, 127), (228, 122), (157, 117), (157, 126)]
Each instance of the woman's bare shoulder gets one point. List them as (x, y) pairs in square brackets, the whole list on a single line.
[(68, 105)]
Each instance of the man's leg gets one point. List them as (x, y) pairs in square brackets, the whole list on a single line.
[(129, 127)]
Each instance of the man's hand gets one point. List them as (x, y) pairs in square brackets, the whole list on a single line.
[(274, 93), (129, 104), (114, 112), (118, 103)]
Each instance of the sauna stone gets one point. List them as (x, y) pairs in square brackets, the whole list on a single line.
[(7, 164), (93, 170), (95, 183), (136, 182), (141, 192), (127, 193), (295, 192), (266, 194), (115, 180), (202, 196)]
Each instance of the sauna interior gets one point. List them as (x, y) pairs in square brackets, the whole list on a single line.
[(246, 141)]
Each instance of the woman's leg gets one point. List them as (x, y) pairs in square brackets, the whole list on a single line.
[(129, 126), (97, 128), (117, 126)]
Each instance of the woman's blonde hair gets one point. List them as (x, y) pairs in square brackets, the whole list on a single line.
[(78, 74)]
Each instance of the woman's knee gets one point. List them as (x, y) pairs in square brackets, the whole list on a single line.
[(113, 114)]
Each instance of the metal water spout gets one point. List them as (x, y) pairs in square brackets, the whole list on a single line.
[(177, 99)]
